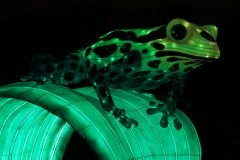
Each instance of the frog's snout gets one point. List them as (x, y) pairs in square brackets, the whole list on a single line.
[(212, 29)]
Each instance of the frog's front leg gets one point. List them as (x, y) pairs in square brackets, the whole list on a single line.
[(168, 107), (107, 103)]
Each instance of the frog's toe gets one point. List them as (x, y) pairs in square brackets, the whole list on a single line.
[(40, 82), (177, 124), (25, 78), (164, 121), (124, 122), (157, 108), (127, 122), (151, 111), (118, 113), (152, 103), (133, 122)]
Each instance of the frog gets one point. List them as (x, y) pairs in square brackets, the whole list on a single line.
[(136, 60)]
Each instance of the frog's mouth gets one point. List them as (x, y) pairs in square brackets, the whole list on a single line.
[(204, 55), (195, 57)]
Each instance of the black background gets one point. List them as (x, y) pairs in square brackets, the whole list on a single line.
[(57, 27)]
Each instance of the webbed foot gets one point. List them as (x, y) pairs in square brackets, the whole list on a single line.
[(127, 122), (167, 110)]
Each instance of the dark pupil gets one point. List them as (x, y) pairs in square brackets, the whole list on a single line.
[(178, 32)]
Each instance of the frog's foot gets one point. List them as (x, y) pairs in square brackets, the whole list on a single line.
[(177, 124), (28, 77), (168, 111), (120, 115), (38, 79)]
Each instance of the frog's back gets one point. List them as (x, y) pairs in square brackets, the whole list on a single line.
[(137, 58)]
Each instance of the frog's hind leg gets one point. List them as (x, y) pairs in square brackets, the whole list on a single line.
[(107, 103)]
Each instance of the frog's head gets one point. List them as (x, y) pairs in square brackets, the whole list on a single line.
[(186, 46), (191, 39)]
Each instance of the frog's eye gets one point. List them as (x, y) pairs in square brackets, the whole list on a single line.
[(178, 32)]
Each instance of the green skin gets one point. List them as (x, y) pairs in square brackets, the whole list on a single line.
[(138, 60)]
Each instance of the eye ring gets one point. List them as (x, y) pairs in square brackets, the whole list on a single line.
[(179, 30)]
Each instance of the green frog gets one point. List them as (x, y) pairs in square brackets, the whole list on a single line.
[(136, 60)]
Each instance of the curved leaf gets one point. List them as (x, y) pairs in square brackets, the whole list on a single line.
[(82, 110)]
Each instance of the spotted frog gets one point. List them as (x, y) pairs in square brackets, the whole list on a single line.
[(137, 60)]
